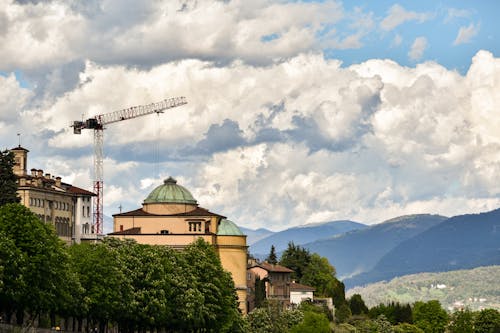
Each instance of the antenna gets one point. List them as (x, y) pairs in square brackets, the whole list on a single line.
[(19, 138)]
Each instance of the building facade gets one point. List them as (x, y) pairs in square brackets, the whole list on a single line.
[(170, 216), (276, 279), (68, 208)]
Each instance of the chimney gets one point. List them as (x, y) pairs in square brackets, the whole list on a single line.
[(58, 181), (33, 172), (47, 176), (39, 173)]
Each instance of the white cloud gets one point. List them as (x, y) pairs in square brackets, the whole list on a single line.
[(397, 15), (465, 34), (322, 141), (47, 34), (418, 48), (454, 13)]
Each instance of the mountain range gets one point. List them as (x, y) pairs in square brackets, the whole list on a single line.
[(396, 247), (302, 235)]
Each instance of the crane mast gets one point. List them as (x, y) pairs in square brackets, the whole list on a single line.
[(98, 124)]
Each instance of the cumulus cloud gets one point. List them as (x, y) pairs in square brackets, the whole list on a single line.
[(303, 140), (50, 33), (418, 48), (465, 34), (397, 15)]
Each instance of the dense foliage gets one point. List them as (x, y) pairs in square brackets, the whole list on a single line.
[(8, 186), (475, 288), (119, 283)]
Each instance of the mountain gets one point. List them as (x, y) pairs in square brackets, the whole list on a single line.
[(255, 235), (358, 251), (460, 242), (474, 288), (302, 234)]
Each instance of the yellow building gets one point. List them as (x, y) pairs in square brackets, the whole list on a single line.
[(68, 208), (171, 216)]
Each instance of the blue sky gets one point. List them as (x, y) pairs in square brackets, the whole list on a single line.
[(298, 112)]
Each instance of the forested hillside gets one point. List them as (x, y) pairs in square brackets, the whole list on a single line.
[(475, 288)]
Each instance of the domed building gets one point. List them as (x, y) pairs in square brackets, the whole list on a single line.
[(171, 216)]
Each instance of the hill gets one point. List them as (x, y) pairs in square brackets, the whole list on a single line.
[(255, 235), (460, 242), (476, 288), (302, 235), (358, 251)]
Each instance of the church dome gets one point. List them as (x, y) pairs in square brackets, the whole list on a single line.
[(170, 192), (228, 228)]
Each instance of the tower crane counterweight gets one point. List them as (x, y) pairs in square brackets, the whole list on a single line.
[(97, 123)]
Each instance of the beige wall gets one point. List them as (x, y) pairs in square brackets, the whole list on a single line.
[(167, 208), (174, 224), (233, 256)]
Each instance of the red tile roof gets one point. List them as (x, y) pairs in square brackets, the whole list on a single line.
[(77, 190), (273, 268), (300, 287), (131, 231), (198, 211)]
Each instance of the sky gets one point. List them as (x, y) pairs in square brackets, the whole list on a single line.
[(298, 112)]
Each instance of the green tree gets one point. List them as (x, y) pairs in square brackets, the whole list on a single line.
[(260, 291), (395, 312), (272, 258), (461, 322), (211, 297), (296, 258), (342, 313), (487, 321), (313, 323), (430, 316), (8, 186), (35, 281), (106, 287), (357, 305), (319, 274), (383, 325), (407, 328), (272, 318)]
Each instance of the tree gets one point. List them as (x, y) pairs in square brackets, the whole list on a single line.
[(461, 322), (272, 258), (260, 291), (319, 274), (209, 298), (297, 259), (8, 186), (34, 282), (430, 316), (342, 313), (407, 328), (357, 305), (313, 323), (487, 321)]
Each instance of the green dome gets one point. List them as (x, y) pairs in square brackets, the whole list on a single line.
[(228, 228), (170, 192)]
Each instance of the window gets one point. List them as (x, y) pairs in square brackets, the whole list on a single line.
[(88, 211), (195, 226), (164, 232)]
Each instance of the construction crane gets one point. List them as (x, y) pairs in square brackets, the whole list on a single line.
[(98, 124)]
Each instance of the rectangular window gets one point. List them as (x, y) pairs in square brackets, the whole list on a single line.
[(194, 226)]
